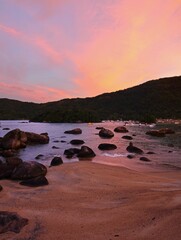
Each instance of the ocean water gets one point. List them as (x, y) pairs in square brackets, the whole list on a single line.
[(167, 150)]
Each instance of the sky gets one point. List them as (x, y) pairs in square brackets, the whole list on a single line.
[(55, 49)]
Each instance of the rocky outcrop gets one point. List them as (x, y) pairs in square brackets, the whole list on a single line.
[(74, 131), (120, 129), (86, 152), (7, 167), (133, 149), (76, 142), (10, 221), (34, 138), (56, 161), (35, 182), (106, 133), (107, 146), (28, 170), (16, 139)]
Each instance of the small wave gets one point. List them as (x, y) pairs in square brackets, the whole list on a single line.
[(115, 155)]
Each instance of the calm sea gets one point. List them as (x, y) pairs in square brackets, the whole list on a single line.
[(167, 150)]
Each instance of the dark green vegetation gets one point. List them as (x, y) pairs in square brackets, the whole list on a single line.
[(154, 99)]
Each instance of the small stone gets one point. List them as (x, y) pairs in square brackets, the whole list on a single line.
[(56, 161)]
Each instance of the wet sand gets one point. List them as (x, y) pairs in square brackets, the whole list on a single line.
[(87, 201)]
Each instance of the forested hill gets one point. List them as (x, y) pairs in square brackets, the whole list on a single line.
[(156, 98)]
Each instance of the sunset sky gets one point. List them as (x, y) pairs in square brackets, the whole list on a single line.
[(54, 49)]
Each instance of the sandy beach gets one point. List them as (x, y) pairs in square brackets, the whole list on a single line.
[(86, 200)]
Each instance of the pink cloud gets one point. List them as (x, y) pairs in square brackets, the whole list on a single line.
[(33, 93)]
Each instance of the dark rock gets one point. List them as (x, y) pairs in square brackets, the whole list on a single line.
[(6, 170), (56, 161), (13, 161), (33, 138), (170, 151), (54, 147), (62, 141), (145, 159), (71, 152), (39, 156), (6, 129), (130, 156), (56, 141), (106, 133), (28, 170), (155, 133), (133, 149), (77, 142), (134, 135), (74, 131), (127, 137), (86, 152), (170, 145), (120, 129), (35, 182), (8, 153), (166, 131), (1, 188), (10, 221), (150, 152), (99, 128), (107, 146), (14, 139)]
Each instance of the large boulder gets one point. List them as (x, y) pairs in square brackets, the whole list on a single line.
[(106, 133), (74, 131), (10, 221), (120, 129), (14, 161), (28, 170), (6, 170), (86, 152), (33, 138), (56, 161), (155, 133), (76, 142), (35, 182), (133, 149), (14, 139), (107, 146)]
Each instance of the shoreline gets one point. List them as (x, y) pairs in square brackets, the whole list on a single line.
[(87, 200)]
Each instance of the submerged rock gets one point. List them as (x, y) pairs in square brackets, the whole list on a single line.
[(107, 146), (35, 182), (127, 137), (39, 156), (28, 170), (56, 161), (133, 149), (106, 133), (167, 131), (74, 131), (121, 129), (86, 152), (155, 133), (10, 221), (77, 142), (145, 159)]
